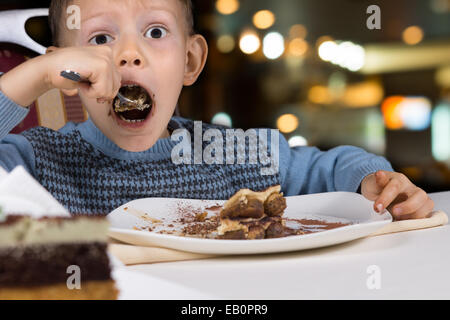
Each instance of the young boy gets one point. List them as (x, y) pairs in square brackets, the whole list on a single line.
[(120, 155)]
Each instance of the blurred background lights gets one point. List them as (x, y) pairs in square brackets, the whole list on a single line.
[(412, 35), (363, 94), (298, 31), (442, 76), (297, 141), (411, 113), (227, 6), (297, 47), (273, 45), (320, 95), (327, 50), (340, 55), (249, 42), (225, 43), (440, 132), (345, 54), (323, 39), (287, 123), (222, 119), (416, 113), (264, 19), (391, 112), (355, 58)]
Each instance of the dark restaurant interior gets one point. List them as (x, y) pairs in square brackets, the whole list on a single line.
[(324, 74)]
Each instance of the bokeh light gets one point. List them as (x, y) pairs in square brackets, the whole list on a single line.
[(223, 119), (346, 54), (227, 7), (412, 35), (264, 19), (287, 123), (323, 39), (273, 45), (320, 95), (440, 132), (249, 42), (391, 112), (297, 47), (411, 113), (327, 50), (364, 94), (298, 31), (226, 43), (416, 113), (297, 141)]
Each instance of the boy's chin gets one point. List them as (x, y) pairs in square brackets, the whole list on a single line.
[(136, 143), (136, 136)]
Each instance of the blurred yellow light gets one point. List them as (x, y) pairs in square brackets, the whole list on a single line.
[(323, 39), (320, 95), (249, 43), (298, 31), (365, 94), (264, 19), (442, 77), (412, 35), (226, 43), (227, 6), (391, 112), (287, 123), (298, 47)]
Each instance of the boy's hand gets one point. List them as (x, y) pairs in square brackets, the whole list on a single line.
[(95, 63), (28, 81), (395, 192)]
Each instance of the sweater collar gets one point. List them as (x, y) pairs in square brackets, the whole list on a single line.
[(160, 150)]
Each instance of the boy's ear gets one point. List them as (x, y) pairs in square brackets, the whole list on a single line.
[(197, 52), (67, 92)]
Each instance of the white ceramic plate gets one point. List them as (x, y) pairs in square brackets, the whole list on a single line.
[(332, 207)]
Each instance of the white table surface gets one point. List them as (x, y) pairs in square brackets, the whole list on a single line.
[(412, 265)]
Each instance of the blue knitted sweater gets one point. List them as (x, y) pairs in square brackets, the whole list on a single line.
[(88, 173)]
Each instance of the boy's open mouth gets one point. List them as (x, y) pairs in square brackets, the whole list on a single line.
[(129, 112)]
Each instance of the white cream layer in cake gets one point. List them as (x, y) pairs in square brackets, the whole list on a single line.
[(25, 230)]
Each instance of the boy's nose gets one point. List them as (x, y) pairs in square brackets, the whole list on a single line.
[(130, 61)]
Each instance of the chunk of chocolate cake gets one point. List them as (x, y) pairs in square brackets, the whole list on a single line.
[(249, 214)]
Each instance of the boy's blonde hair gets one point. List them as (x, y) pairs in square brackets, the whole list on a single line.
[(58, 8)]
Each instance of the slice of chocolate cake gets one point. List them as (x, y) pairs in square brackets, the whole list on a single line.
[(253, 215), (55, 258)]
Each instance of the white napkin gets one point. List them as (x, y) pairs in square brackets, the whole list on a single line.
[(20, 193)]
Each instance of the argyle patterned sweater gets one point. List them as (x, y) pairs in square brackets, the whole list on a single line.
[(89, 174)]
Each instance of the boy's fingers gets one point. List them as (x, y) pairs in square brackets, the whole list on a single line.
[(423, 212), (382, 178), (389, 193), (412, 204)]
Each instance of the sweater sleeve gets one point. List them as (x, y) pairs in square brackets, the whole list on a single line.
[(306, 170), (15, 150)]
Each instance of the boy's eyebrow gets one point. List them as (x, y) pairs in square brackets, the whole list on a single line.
[(100, 14)]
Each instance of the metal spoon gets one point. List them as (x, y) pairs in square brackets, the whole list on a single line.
[(75, 76)]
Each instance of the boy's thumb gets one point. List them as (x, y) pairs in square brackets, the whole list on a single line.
[(382, 178)]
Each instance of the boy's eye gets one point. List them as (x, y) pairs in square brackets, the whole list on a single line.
[(101, 39), (156, 32)]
